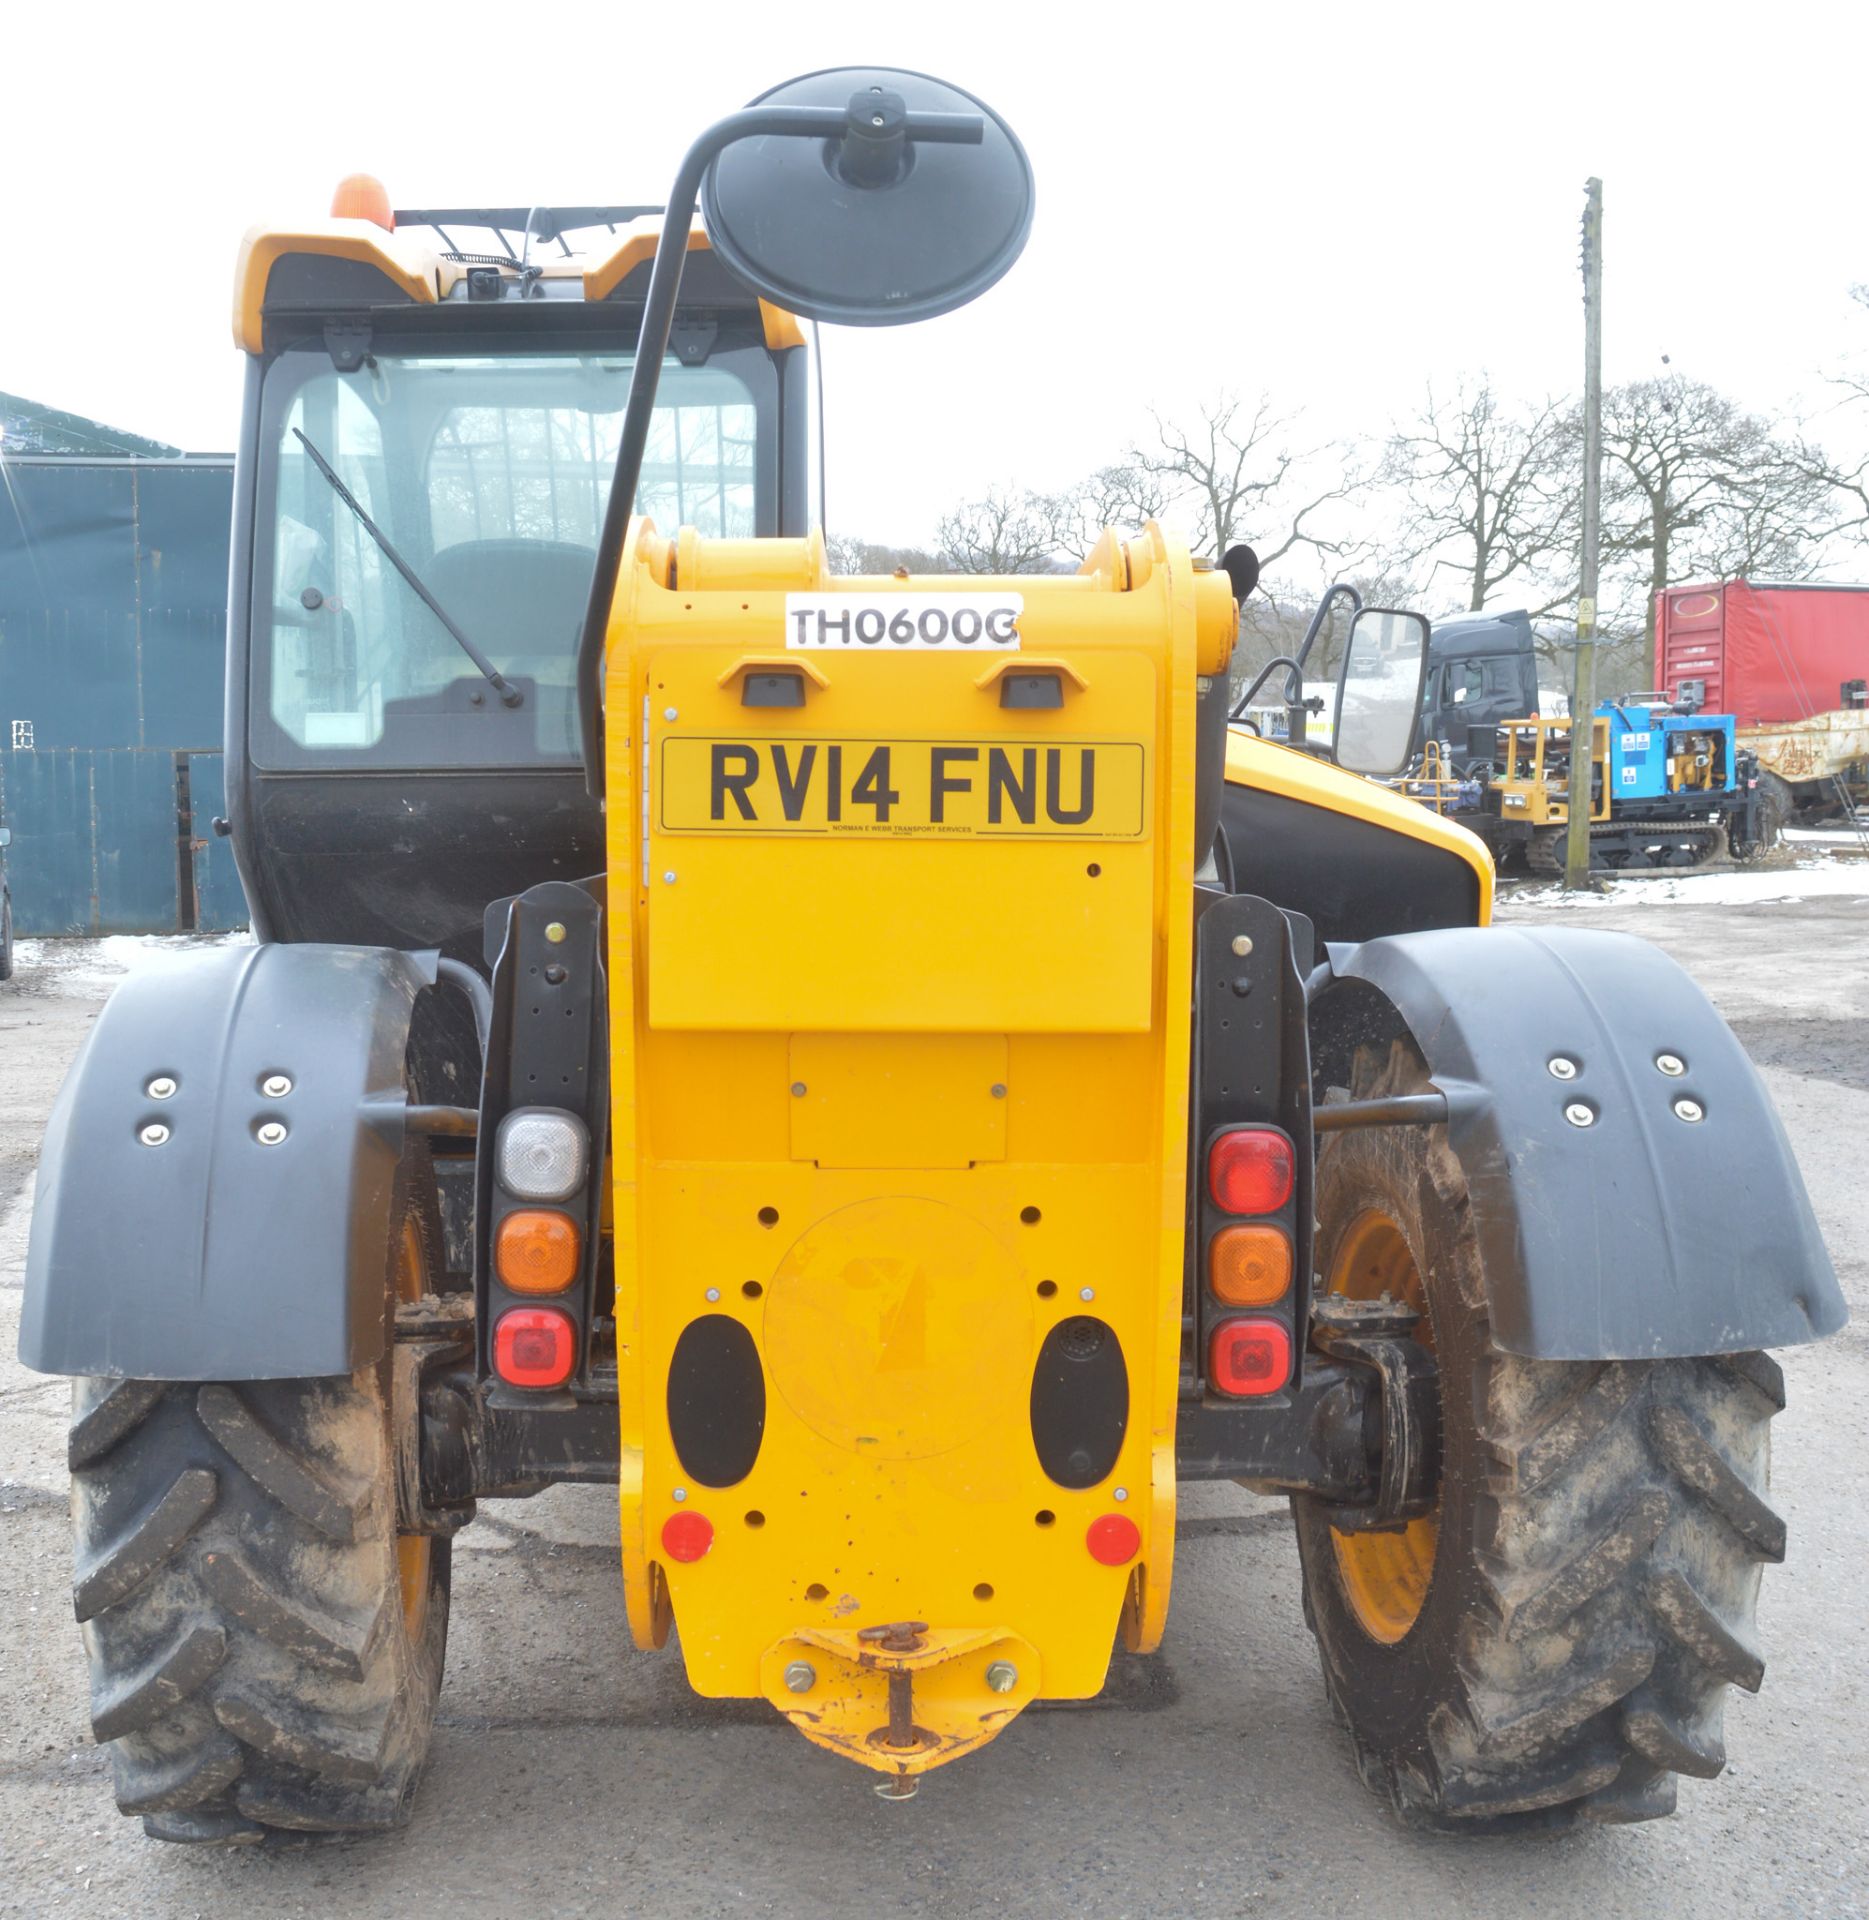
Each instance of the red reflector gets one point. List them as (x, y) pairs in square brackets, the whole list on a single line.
[(534, 1347), (686, 1535), (1246, 1357), (1250, 1170), (1114, 1539)]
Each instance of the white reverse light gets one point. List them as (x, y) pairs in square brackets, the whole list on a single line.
[(542, 1154)]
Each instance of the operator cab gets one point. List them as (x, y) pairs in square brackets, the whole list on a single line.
[(432, 411)]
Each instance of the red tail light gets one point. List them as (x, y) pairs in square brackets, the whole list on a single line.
[(1248, 1357), (1250, 1170), (534, 1347)]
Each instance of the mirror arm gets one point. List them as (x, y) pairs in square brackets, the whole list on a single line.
[(1323, 613), (658, 317), (1294, 683)]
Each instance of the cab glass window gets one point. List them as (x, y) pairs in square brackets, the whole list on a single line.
[(1465, 680), (477, 482)]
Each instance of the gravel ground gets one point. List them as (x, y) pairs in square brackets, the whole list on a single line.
[(573, 1776)]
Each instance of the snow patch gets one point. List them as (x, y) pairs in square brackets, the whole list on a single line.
[(1737, 889), (91, 969)]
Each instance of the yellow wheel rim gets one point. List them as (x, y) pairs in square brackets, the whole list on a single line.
[(1385, 1576), (413, 1550)]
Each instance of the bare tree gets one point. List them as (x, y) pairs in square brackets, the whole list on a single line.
[(1846, 489), (1236, 466), (1490, 495), (1123, 495), (1001, 532), (849, 555), (1695, 486), (1854, 380), (1845, 481)]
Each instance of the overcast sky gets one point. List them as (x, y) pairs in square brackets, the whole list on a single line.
[(1336, 203)]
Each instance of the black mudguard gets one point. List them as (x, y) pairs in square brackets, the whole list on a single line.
[(1640, 1235), (212, 1256)]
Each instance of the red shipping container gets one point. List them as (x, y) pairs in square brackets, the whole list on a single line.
[(1767, 655)]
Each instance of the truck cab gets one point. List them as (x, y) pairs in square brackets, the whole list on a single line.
[(1482, 670)]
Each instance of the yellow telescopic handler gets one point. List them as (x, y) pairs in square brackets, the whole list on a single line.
[(874, 1069)]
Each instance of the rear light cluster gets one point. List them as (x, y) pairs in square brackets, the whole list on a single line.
[(1250, 1171), (540, 1154)]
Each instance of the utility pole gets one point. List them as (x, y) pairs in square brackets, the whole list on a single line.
[(1583, 668)]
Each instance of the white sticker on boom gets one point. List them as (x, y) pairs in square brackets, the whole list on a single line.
[(904, 622)]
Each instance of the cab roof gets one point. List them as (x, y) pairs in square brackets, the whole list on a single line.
[(1463, 634), (340, 265)]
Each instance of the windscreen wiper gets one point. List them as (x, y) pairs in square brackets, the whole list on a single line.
[(508, 693)]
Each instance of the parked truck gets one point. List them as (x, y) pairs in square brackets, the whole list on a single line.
[(1482, 672), (1791, 665)]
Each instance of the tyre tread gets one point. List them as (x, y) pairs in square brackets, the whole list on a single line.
[(167, 1778), (1597, 1565), (138, 1554), (117, 1412), (282, 1474), (291, 1626), (177, 1673)]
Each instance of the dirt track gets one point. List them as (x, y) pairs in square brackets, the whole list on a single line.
[(573, 1776)]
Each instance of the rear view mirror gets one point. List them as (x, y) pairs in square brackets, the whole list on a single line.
[(897, 219), (1379, 691), (863, 195), (6, 836)]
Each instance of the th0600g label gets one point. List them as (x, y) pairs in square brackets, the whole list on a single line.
[(904, 622)]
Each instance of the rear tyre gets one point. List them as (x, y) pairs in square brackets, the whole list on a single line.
[(265, 1650), (1554, 1644), (6, 940)]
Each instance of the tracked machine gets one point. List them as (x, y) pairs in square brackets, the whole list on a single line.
[(1669, 787), (873, 1069)]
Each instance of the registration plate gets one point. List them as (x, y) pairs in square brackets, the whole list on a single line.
[(968, 789), (954, 622)]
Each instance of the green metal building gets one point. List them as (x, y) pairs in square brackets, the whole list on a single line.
[(113, 610)]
